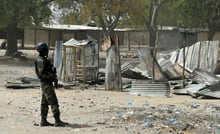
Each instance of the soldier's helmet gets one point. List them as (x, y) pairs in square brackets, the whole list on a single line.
[(42, 48)]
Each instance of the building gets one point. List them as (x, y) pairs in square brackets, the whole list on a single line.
[(169, 38)]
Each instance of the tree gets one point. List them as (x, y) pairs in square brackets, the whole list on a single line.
[(70, 11), (147, 11), (199, 14), (18, 13), (167, 15), (105, 13)]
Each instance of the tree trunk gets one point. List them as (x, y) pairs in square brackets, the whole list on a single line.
[(211, 34), (152, 23), (11, 39), (213, 25), (152, 37), (113, 67)]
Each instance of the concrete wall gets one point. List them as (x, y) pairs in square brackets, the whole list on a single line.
[(170, 40), (29, 36), (42, 36), (203, 35), (33, 36)]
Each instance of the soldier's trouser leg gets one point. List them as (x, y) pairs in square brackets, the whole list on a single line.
[(44, 112), (51, 97), (53, 102), (44, 108)]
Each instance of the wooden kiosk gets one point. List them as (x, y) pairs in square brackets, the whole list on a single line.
[(80, 60)]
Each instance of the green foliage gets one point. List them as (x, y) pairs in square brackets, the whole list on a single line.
[(142, 9), (71, 11), (139, 13), (82, 11), (24, 12), (134, 13), (105, 13), (197, 13), (167, 15)]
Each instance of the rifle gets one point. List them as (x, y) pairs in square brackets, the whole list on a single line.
[(56, 80)]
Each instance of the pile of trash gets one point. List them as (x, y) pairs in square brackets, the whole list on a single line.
[(165, 118)]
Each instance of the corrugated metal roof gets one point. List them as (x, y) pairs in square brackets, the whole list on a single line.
[(75, 27), (149, 88), (201, 55), (73, 42), (72, 27), (125, 66)]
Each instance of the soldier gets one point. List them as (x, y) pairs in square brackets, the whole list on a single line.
[(47, 75)]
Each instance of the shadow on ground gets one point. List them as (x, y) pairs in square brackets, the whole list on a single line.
[(75, 125), (70, 125)]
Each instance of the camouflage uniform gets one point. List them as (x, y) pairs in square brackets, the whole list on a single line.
[(47, 76)]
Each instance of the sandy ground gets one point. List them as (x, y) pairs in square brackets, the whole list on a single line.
[(91, 111)]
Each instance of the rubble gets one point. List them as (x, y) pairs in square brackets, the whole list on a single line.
[(195, 77)]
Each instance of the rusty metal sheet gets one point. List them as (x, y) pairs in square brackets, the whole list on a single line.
[(145, 56)]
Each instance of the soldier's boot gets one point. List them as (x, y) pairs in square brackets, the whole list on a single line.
[(44, 112), (59, 123), (44, 123)]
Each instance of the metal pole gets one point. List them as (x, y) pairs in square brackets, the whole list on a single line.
[(184, 58), (154, 54)]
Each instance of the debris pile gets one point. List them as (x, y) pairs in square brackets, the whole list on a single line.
[(191, 73)]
